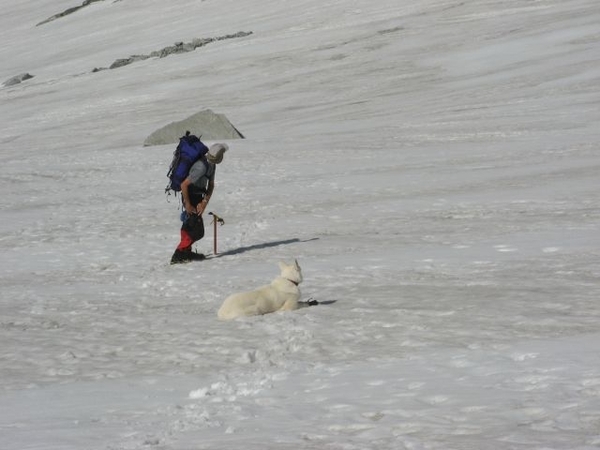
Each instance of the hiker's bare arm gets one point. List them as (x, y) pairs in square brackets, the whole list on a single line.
[(185, 185), (202, 205)]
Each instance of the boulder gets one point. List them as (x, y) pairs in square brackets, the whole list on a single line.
[(205, 124), (17, 79)]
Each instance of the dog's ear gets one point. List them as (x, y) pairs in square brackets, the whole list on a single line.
[(282, 266), (296, 264)]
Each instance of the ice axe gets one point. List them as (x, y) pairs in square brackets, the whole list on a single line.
[(216, 220)]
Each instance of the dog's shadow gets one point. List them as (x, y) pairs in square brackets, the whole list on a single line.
[(237, 251), (327, 302), (312, 302)]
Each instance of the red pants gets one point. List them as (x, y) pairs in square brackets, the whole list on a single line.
[(192, 230)]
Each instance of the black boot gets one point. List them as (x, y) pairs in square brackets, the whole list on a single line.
[(185, 256)]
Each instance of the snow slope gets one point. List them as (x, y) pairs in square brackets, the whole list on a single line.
[(432, 165)]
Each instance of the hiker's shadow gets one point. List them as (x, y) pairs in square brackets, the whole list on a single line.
[(237, 251)]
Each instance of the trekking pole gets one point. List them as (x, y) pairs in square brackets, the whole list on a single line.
[(219, 220)]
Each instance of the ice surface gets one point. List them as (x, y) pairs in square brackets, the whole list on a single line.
[(432, 165)]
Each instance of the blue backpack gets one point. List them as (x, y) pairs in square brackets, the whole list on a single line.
[(189, 150)]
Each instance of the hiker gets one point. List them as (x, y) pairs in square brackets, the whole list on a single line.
[(196, 191)]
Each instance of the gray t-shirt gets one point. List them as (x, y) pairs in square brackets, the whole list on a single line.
[(200, 174)]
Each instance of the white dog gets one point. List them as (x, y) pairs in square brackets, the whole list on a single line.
[(282, 294)]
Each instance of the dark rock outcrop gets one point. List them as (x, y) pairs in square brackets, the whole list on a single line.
[(67, 11), (178, 47), (17, 79)]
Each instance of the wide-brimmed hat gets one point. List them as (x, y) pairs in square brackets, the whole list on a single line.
[(216, 152)]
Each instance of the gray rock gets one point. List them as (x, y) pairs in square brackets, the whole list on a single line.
[(205, 124), (178, 47), (67, 11), (126, 61), (17, 79)]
